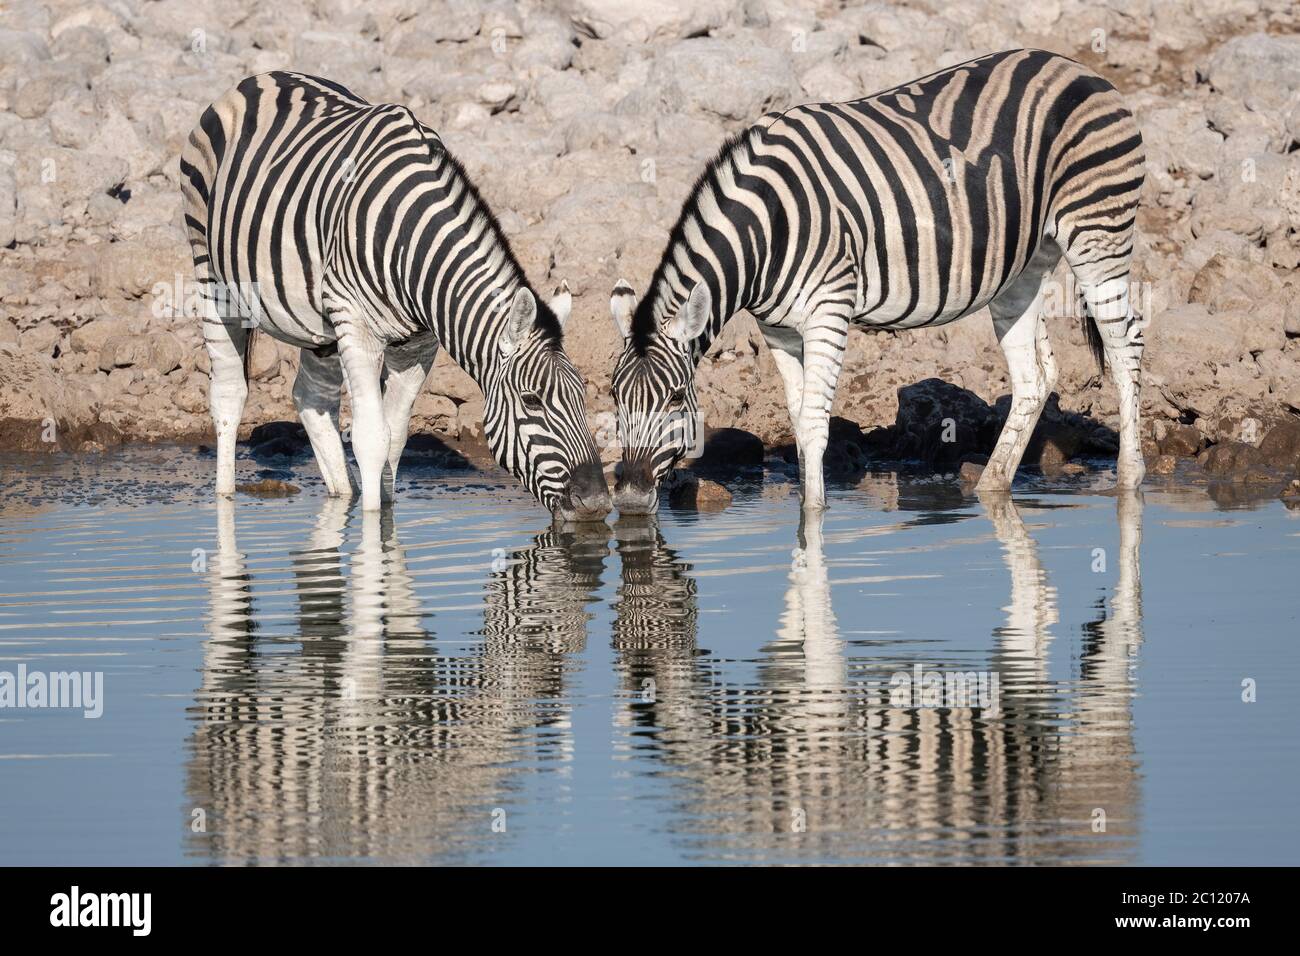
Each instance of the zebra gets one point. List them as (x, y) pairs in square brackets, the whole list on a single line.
[(910, 208), (349, 231)]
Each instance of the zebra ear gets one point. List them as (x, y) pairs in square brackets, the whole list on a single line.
[(562, 302), (622, 302), (691, 319), (519, 322)]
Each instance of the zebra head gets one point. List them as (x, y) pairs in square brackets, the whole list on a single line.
[(654, 394), (535, 412)]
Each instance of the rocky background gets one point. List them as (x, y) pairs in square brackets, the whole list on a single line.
[(584, 123)]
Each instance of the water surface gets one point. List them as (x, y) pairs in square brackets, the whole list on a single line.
[(454, 681)]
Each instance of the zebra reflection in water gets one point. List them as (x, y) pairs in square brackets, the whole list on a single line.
[(358, 736), (813, 759), (355, 737)]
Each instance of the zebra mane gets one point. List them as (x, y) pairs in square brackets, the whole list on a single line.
[(546, 322), (643, 320)]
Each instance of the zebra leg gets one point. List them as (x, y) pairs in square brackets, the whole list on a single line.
[(1120, 329), (786, 346), (316, 392), (362, 355), (1022, 333), (824, 338), (406, 369), (227, 391)]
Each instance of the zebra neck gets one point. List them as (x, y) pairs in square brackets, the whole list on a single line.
[(716, 243), (470, 327)]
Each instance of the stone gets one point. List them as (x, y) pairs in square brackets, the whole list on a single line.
[(40, 411), (43, 339), (687, 490), (1260, 71), (124, 351), (91, 337), (1163, 465), (730, 448), (268, 488), (1229, 458), (1246, 289), (264, 363), (939, 423), (8, 203), (165, 352), (730, 80), (657, 19), (1188, 335), (1178, 440), (469, 421), (1291, 494), (1280, 447)]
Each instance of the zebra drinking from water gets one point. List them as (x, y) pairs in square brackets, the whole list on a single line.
[(349, 231), (909, 208)]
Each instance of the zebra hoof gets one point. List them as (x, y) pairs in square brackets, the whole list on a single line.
[(993, 481), (1130, 480)]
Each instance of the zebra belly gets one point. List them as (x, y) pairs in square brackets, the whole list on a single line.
[(299, 323), (305, 329), (920, 318)]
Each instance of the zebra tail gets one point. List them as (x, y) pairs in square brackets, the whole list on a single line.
[(1091, 335), (247, 355)]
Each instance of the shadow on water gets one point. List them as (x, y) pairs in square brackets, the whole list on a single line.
[(362, 734)]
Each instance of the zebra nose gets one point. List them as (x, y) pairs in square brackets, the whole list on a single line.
[(635, 493), (588, 492)]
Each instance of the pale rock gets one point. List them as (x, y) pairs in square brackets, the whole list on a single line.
[(264, 363), (91, 337), (1260, 71), (660, 19), (497, 95), (827, 83), (124, 351), (84, 45), (117, 136), (731, 80), (73, 119), (165, 352), (1039, 17), (43, 86), (22, 48), (41, 340), (895, 28), (103, 17), (55, 184), (1226, 285), (470, 116), (8, 200)]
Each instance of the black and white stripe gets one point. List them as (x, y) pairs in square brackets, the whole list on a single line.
[(909, 208), (350, 227)]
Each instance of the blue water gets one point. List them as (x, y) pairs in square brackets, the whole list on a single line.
[(454, 681)]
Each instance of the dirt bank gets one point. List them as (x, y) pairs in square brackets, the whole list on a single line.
[(584, 124)]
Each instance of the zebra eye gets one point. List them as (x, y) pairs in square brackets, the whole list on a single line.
[(678, 396), (532, 401)]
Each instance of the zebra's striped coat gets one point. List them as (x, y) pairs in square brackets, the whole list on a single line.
[(909, 208), (342, 225)]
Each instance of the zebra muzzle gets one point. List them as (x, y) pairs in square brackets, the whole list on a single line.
[(636, 492), (588, 498)]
